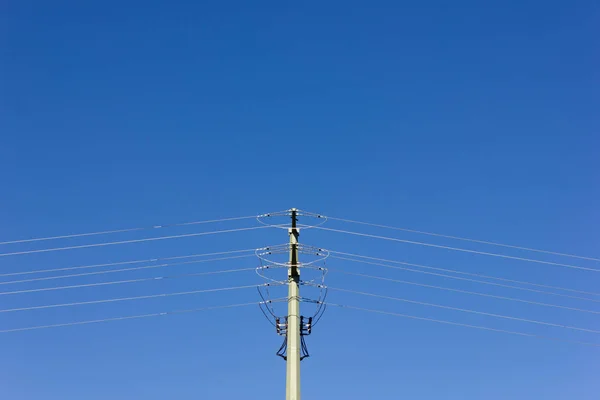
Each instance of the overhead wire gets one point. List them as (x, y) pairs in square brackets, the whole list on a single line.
[(464, 239), (268, 308), (86, 285), (468, 279), (531, 335), (457, 249), (40, 271), (107, 232), (139, 316), (132, 241), (111, 271), (114, 300), (468, 273), (464, 310), (537, 303)]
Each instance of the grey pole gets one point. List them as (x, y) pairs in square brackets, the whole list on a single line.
[(292, 381)]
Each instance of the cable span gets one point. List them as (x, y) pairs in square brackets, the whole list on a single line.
[(132, 241), (466, 292), (464, 239), (126, 269), (463, 325), (458, 249), (114, 300), (126, 281), (128, 317), (469, 279), (466, 310), (40, 271), (75, 235), (468, 273)]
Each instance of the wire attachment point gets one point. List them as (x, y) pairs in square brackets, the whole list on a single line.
[(306, 325)]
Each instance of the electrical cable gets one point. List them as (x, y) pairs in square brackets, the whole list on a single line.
[(86, 285), (466, 310), (266, 305), (76, 235), (469, 279), (464, 325), (131, 241), (458, 249), (128, 317), (125, 269), (114, 300), (321, 308), (468, 273), (464, 239), (466, 292), (40, 271)]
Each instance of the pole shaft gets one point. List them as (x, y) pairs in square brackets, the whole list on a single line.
[(293, 321)]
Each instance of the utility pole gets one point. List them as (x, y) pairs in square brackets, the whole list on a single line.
[(292, 381)]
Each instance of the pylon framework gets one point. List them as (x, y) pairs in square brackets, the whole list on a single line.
[(294, 326)]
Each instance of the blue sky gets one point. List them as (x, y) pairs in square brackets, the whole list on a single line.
[(471, 118)]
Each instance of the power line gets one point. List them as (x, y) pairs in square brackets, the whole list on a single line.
[(130, 317), (129, 298), (465, 310), (126, 269), (132, 241), (125, 281), (467, 279), (464, 239), (467, 273), (76, 235), (40, 271), (458, 249), (537, 303), (463, 325)]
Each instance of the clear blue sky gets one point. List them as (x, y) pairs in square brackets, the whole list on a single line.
[(471, 118)]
